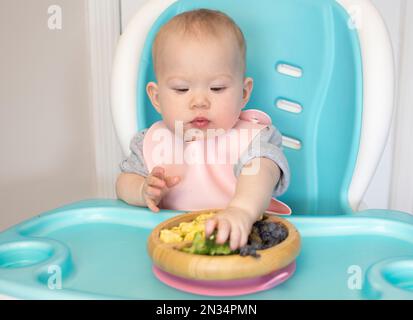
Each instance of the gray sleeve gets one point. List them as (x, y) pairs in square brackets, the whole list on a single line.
[(267, 144), (135, 162)]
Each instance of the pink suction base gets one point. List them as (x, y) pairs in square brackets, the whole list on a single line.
[(226, 287)]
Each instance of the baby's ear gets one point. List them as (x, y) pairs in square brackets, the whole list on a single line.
[(153, 92), (247, 89)]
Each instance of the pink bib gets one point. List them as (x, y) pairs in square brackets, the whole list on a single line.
[(205, 166)]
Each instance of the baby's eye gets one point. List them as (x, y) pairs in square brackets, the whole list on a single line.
[(181, 90), (218, 89)]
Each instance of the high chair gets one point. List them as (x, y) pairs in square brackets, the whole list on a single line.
[(323, 71)]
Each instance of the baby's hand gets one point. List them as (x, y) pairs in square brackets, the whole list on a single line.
[(155, 187), (234, 223)]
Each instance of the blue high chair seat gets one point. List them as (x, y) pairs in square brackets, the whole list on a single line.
[(322, 78), (323, 71)]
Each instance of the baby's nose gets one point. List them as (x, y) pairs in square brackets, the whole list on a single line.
[(200, 102)]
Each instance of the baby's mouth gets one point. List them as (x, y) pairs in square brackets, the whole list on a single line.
[(200, 122)]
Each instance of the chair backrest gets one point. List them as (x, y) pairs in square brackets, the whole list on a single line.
[(306, 60)]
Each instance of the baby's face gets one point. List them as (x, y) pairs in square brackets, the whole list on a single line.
[(200, 82)]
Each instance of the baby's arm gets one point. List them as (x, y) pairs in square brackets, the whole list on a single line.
[(136, 185), (252, 197), (253, 192), (129, 188), (145, 192)]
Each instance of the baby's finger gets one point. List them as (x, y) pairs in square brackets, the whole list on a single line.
[(172, 181), (153, 192), (158, 172), (244, 239), (235, 238), (210, 226), (224, 229), (156, 182), (151, 205)]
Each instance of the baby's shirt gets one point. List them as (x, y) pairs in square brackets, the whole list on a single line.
[(269, 146)]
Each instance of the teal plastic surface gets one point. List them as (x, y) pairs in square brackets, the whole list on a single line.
[(99, 249), (315, 36)]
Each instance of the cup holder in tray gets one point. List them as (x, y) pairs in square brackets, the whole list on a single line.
[(23, 254), (391, 279)]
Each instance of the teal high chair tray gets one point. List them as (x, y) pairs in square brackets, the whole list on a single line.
[(99, 249)]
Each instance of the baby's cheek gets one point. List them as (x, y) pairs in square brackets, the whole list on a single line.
[(171, 118), (228, 118)]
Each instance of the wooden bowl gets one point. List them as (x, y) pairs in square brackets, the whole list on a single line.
[(169, 258)]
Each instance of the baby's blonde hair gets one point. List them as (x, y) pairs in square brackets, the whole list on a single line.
[(200, 22)]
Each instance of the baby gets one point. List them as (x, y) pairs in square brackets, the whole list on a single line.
[(201, 88)]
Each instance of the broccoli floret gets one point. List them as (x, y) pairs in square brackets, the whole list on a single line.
[(208, 246)]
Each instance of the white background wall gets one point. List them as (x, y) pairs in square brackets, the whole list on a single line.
[(46, 152), (401, 196), (377, 195)]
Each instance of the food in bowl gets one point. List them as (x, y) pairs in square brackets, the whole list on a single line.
[(186, 231), (170, 258), (264, 234)]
